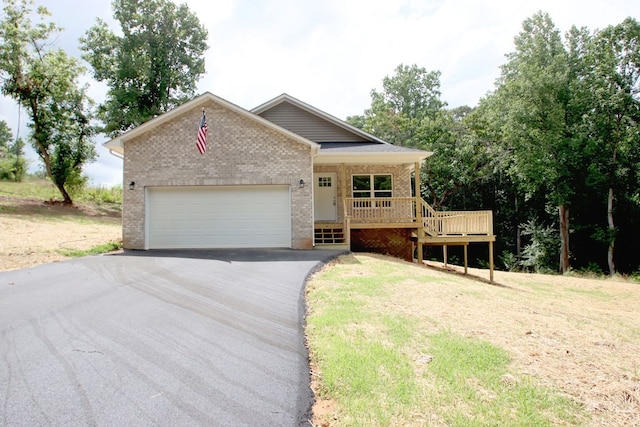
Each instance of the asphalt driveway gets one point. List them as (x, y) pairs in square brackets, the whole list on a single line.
[(157, 338)]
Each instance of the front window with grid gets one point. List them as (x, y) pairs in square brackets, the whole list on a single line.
[(371, 186)]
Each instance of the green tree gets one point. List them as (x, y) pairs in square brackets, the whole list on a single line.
[(149, 69), (534, 92), (45, 82), (460, 161), (407, 106), (13, 165), (5, 137), (409, 112), (610, 79)]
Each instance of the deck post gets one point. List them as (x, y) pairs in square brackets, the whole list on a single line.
[(444, 255), (418, 202), (490, 261), (466, 258)]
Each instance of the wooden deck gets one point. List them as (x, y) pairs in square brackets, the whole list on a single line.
[(400, 212), (431, 227)]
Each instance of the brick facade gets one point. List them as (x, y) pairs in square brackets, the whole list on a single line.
[(240, 151)]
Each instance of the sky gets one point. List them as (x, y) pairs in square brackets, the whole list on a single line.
[(332, 53)]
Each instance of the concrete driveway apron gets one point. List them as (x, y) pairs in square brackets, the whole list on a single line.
[(157, 338)]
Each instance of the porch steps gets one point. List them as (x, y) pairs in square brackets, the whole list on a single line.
[(336, 247), (329, 236)]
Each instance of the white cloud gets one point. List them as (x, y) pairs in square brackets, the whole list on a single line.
[(332, 53)]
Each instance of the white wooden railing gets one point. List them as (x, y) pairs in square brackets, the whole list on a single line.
[(401, 210), (382, 210), (452, 223)]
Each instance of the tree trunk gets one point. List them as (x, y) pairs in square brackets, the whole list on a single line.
[(518, 232), (65, 195), (563, 212), (44, 154), (612, 228)]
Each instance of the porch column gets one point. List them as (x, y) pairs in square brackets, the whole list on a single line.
[(345, 221), (416, 178)]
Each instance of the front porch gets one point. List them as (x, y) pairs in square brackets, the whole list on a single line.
[(374, 207)]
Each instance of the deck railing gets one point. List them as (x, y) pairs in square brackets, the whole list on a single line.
[(401, 210), (452, 223)]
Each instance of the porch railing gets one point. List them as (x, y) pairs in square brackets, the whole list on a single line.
[(401, 210), (382, 210)]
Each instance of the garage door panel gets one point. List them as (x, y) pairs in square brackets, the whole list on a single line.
[(218, 217)]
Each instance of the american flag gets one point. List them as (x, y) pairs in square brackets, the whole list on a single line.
[(201, 142)]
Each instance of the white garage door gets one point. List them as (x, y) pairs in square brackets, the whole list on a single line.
[(218, 217)]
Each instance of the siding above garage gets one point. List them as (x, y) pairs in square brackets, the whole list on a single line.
[(310, 126)]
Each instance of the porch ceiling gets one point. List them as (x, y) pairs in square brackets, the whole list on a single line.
[(370, 158), (372, 153)]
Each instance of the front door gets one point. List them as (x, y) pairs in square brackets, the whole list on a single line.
[(324, 197)]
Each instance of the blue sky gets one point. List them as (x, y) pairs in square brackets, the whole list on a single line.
[(332, 53)]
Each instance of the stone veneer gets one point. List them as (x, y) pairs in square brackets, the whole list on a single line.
[(240, 151)]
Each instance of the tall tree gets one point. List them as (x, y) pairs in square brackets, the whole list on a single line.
[(45, 82), (461, 160), (611, 81), (152, 67), (535, 86), (409, 112), (408, 103)]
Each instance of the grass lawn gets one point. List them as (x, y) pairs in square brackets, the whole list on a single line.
[(393, 343)]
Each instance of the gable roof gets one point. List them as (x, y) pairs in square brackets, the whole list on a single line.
[(352, 145), (285, 98), (116, 145), (340, 141)]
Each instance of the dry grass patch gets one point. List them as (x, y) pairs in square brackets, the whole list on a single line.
[(571, 343)]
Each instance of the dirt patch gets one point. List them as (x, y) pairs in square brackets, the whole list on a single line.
[(33, 230), (19, 206)]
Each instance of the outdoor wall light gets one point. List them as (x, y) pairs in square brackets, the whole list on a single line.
[(132, 185), (302, 183)]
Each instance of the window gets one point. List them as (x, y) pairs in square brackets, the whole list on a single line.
[(324, 181), (371, 186)]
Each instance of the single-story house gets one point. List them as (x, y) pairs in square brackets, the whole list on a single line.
[(284, 174)]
